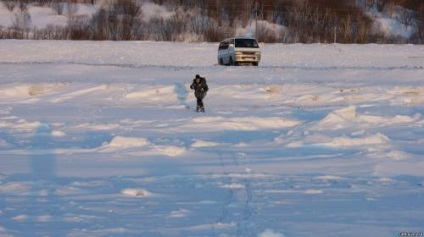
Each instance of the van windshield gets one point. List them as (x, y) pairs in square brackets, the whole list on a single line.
[(246, 43)]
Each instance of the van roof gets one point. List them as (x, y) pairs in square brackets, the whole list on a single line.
[(239, 38)]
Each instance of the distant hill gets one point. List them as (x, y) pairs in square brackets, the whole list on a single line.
[(271, 21)]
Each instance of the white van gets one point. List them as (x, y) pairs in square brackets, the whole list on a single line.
[(239, 51)]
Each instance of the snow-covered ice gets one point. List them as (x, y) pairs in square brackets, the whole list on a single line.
[(100, 139)]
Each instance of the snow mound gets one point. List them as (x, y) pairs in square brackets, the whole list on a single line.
[(133, 192), (14, 92), (57, 133), (329, 178), (127, 142), (377, 139), (313, 191), (77, 93), (342, 141), (170, 150), (20, 217), (40, 89), (240, 123), (120, 142), (19, 92), (152, 94), (20, 124), (270, 233), (233, 186), (14, 187), (348, 117), (407, 95), (338, 118), (98, 126), (179, 213), (199, 143), (396, 155)]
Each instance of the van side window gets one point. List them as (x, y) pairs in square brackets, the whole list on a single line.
[(246, 43)]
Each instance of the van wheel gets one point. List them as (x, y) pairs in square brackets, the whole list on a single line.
[(231, 62), (255, 64)]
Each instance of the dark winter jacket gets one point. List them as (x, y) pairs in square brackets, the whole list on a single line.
[(200, 87)]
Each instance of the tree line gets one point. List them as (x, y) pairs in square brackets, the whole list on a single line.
[(298, 21)]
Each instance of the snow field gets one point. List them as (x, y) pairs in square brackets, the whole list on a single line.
[(100, 139)]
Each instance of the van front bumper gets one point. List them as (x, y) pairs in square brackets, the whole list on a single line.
[(248, 58)]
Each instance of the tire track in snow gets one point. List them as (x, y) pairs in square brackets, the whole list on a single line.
[(191, 67)]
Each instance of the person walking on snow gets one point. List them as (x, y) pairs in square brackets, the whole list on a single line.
[(200, 88)]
